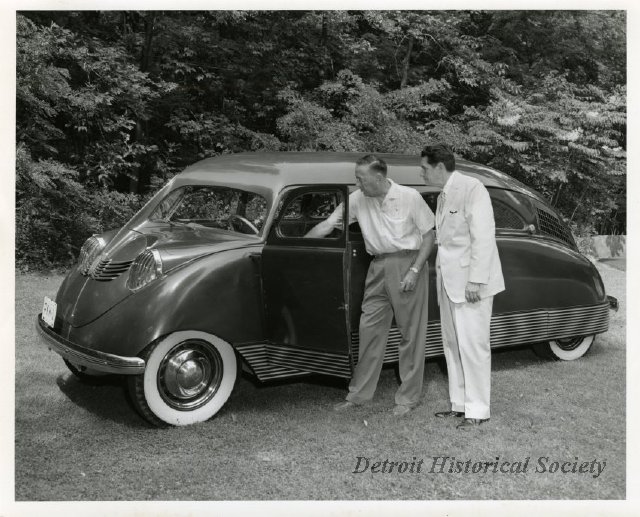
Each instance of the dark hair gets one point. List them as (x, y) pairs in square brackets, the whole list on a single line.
[(439, 153), (375, 164)]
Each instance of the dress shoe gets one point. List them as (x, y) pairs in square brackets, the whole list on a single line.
[(401, 410), (449, 414), (468, 423), (345, 405)]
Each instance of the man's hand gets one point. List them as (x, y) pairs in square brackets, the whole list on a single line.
[(472, 292), (409, 282)]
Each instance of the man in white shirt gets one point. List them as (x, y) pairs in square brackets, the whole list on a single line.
[(469, 274), (397, 226)]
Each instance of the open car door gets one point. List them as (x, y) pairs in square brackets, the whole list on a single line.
[(305, 284)]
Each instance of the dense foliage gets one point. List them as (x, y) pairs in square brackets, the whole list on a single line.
[(110, 104)]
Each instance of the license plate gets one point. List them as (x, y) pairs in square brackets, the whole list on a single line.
[(49, 311)]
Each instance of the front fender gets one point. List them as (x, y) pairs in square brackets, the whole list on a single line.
[(219, 294)]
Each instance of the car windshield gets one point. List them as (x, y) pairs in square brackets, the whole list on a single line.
[(213, 207)]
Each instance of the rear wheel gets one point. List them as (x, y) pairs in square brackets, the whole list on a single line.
[(188, 377), (567, 349)]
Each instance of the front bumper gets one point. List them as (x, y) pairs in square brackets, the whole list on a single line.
[(79, 355)]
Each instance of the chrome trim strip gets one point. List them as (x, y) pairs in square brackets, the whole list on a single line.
[(79, 355), (269, 361), (310, 360), (255, 355), (514, 329)]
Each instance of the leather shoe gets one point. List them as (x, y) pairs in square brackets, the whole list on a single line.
[(401, 410), (448, 414), (468, 423), (344, 405)]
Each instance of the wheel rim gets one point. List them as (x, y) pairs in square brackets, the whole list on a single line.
[(570, 343), (189, 375)]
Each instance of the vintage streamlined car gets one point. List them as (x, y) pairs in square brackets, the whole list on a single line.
[(214, 274)]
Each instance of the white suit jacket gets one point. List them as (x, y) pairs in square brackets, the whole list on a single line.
[(467, 250)]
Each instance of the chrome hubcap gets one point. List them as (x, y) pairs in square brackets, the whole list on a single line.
[(570, 343), (189, 375)]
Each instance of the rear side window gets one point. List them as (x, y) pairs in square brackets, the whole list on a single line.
[(506, 217), (550, 225)]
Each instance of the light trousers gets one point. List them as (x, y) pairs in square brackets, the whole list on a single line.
[(467, 350), (384, 298)]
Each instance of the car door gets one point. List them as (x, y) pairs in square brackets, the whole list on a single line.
[(304, 284)]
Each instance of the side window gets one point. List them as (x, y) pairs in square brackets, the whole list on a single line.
[(305, 211), (213, 207), (506, 217)]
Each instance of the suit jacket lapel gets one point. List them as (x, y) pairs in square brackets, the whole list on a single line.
[(440, 210)]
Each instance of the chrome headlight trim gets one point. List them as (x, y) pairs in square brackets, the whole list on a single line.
[(146, 268), (90, 250)]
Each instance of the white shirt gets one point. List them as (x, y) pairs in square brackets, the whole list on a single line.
[(392, 224)]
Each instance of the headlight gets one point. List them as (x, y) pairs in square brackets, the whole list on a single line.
[(88, 253), (145, 268)]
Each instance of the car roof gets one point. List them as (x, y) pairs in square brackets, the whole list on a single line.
[(273, 171)]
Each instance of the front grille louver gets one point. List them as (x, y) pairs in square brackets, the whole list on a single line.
[(107, 270)]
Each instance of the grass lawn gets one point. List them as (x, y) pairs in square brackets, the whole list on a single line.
[(282, 441)]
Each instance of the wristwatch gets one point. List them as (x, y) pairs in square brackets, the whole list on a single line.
[(414, 269)]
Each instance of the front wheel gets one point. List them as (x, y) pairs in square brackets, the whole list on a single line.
[(188, 377), (567, 349)]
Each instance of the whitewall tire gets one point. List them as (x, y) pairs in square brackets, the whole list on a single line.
[(567, 349), (188, 377), (570, 349)]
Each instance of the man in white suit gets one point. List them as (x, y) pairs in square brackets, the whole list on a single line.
[(469, 274)]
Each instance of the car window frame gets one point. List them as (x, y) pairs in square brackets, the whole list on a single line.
[(292, 192), (160, 199)]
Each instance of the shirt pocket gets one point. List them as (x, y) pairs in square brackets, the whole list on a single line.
[(398, 227), (455, 217)]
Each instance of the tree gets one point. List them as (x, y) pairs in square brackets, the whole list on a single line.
[(109, 102)]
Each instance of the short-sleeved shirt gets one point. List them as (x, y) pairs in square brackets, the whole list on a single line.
[(392, 224)]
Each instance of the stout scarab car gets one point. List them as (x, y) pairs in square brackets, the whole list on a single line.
[(214, 274)]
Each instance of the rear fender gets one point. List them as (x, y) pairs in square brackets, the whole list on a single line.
[(542, 273)]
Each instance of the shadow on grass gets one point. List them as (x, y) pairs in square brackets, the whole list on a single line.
[(106, 397), (515, 358), (509, 358), (304, 378)]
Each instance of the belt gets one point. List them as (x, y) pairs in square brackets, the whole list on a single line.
[(394, 254)]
